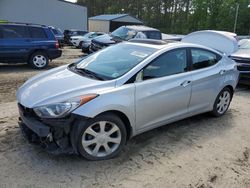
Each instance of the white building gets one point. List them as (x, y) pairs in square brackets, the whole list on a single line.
[(57, 13), (109, 22)]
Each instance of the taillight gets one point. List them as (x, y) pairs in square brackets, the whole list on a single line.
[(57, 44)]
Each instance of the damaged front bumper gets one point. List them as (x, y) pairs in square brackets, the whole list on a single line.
[(55, 135)]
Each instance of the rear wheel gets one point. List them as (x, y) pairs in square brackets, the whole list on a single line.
[(39, 60), (222, 102), (102, 137)]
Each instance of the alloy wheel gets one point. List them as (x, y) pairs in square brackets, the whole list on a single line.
[(223, 102), (101, 139), (39, 61)]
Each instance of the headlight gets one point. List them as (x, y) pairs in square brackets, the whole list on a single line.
[(62, 109)]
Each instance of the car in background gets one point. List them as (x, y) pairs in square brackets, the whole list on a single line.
[(94, 106), (72, 32), (21, 42), (87, 42), (242, 57), (77, 41), (124, 33), (59, 35)]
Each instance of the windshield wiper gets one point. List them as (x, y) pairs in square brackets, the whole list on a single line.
[(89, 73)]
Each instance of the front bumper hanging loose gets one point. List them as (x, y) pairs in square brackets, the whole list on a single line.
[(55, 135)]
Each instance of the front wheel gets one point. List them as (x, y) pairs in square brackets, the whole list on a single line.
[(222, 102), (80, 45), (102, 138)]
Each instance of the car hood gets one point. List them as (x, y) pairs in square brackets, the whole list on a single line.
[(242, 53), (104, 39), (58, 85)]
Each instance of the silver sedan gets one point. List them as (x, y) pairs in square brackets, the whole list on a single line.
[(92, 107)]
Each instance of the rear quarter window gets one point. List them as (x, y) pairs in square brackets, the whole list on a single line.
[(37, 32)]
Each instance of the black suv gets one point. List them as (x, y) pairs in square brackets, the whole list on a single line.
[(35, 44), (124, 33)]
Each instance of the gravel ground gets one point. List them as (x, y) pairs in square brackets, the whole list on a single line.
[(200, 152)]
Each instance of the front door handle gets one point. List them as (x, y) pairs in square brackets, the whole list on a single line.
[(185, 83)]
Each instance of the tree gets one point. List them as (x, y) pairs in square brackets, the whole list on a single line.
[(178, 16)]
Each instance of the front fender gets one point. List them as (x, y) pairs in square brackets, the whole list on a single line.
[(119, 99)]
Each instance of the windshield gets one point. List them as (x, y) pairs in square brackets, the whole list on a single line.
[(124, 33), (114, 61), (245, 45)]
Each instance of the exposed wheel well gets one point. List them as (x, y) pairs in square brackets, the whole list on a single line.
[(230, 88), (124, 119)]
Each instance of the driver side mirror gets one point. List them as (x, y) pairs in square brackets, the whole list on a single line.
[(144, 74), (139, 76)]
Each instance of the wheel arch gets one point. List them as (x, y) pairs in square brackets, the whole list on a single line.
[(37, 50), (230, 87), (124, 119)]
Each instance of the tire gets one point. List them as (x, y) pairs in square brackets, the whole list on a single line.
[(222, 102), (85, 50), (39, 60), (93, 142), (80, 45)]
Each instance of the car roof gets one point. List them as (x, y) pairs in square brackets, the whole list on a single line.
[(23, 24), (141, 28), (169, 45)]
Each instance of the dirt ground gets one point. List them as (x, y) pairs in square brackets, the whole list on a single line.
[(198, 152)]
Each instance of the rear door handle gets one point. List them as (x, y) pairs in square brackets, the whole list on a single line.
[(185, 83), (222, 72)]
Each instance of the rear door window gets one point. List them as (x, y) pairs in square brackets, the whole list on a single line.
[(14, 32), (203, 58), (37, 32)]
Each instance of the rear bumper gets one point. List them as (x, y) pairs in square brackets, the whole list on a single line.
[(54, 53)]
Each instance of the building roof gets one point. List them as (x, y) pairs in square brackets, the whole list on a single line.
[(108, 17), (116, 17)]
